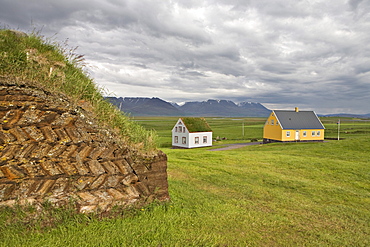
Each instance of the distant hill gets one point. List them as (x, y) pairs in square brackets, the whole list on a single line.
[(347, 115), (145, 106), (215, 108), (225, 108), (255, 108)]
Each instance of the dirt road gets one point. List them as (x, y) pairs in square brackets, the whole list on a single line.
[(235, 145)]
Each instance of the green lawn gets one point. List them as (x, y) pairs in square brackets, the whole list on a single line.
[(298, 194), (349, 127)]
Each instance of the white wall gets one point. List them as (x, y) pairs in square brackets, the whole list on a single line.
[(193, 140), (180, 137), (200, 136)]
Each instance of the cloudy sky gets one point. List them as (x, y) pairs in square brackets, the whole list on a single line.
[(314, 54)]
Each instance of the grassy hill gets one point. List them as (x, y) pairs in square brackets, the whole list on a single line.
[(34, 61)]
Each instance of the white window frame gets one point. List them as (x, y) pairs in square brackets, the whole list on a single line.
[(183, 140), (288, 134), (205, 139), (176, 139), (196, 140)]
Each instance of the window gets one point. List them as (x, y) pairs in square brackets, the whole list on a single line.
[(180, 129), (183, 129), (176, 139), (318, 133), (175, 129), (277, 122), (204, 139), (196, 141), (184, 140), (288, 134), (272, 121), (304, 133), (313, 133)]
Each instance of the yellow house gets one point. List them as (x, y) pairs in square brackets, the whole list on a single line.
[(293, 126)]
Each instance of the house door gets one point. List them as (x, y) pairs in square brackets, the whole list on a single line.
[(297, 135)]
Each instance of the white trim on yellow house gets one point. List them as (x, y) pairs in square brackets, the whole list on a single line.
[(290, 126)]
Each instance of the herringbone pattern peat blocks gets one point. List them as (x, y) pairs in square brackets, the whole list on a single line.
[(53, 151)]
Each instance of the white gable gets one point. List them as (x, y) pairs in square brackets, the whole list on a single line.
[(180, 127)]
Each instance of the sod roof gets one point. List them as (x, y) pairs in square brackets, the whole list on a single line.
[(194, 124)]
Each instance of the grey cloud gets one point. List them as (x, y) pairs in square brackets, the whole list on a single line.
[(281, 53), (143, 66), (354, 3), (279, 68), (191, 74)]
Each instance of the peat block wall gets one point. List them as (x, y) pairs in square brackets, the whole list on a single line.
[(54, 150)]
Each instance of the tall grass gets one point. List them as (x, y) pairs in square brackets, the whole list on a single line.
[(37, 61)]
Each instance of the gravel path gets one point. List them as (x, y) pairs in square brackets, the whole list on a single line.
[(236, 145)]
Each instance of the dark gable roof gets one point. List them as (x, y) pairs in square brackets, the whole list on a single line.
[(298, 120), (194, 124)]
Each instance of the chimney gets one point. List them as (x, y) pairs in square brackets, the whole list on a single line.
[(296, 109)]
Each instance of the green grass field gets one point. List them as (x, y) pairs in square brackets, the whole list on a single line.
[(297, 194), (232, 128), (229, 128)]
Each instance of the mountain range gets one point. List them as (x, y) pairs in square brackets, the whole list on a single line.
[(347, 115), (209, 108)]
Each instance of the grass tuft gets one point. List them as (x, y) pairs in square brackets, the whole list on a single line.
[(37, 61)]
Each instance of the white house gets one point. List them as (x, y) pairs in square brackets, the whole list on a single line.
[(191, 132)]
